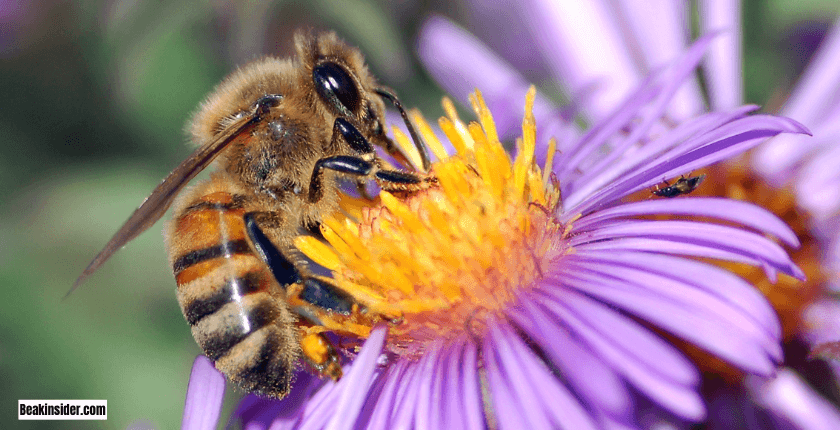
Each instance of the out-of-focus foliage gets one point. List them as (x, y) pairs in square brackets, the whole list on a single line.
[(94, 98)]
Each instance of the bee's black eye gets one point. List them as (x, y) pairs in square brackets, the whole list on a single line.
[(336, 87)]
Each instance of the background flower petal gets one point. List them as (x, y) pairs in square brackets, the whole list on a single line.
[(205, 394)]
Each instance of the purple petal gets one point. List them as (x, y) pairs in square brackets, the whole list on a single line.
[(720, 283), (441, 396), (668, 246), (530, 373), (596, 383), (790, 397), (823, 321), (813, 101), (427, 413), (664, 86), (353, 386), (752, 131), (258, 413), (697, 324), (321, 406), (712, 235), (205, 394), (660, 30), (685, 135), (473, 402), (650, 364), (623, 339), (506, 36), (817, 183), (648, 282), (818, 87), (392, 389), (461, 63), (583, 45), (743, 213), (723, 64), (404, 409), (516, 407)]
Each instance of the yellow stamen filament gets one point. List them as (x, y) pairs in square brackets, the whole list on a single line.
[(447, 257), (431, 139), (407, 148)]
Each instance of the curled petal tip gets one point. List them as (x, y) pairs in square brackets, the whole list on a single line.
[(799, 128)]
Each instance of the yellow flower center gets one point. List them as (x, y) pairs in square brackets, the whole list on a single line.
[(448, 257)]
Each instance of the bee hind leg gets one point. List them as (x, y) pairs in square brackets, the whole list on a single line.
[(320, 354), (319, 304)]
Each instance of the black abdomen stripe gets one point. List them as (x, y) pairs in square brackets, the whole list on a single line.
[(201, 307), (218, 332), (226, 248), (264, 362)]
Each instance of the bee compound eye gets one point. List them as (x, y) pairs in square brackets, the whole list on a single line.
[(336, 87)]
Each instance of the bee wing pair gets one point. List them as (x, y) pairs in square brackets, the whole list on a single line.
[(153, 208)]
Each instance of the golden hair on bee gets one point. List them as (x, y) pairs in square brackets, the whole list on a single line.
[(284, 131)]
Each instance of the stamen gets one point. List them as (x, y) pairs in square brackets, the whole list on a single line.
[(457, 252)]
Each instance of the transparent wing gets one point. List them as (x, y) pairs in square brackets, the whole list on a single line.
[(161, 198)]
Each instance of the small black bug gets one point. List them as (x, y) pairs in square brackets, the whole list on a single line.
[(682, 186)]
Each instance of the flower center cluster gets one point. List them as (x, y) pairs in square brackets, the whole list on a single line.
[(447, 258)]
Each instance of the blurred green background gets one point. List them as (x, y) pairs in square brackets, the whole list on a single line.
[(94, 96)]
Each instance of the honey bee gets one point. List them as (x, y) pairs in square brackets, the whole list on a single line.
[(284, 131), (682, 186)]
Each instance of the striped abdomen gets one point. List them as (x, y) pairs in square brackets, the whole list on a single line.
[(228, 295)]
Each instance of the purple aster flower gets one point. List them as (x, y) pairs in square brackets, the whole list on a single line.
[(528, 294), (648, 33)]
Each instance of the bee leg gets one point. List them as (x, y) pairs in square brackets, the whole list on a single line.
[(395, 180), (318, 303), (343, 128), (321, 355), (361, 166), (350, 165), (281, 267), (356, 166), (418, 143)]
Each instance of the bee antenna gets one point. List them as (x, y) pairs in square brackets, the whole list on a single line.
[(418, 143)]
